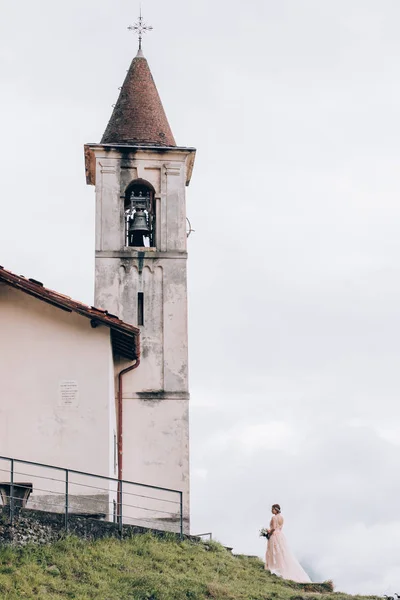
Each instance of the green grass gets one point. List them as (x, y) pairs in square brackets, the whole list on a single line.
[(141, 568)]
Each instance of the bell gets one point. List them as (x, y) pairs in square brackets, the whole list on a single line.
[(138, 228), (139, 223)]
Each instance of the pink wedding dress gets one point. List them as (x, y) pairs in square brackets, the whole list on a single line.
[(279, 559)]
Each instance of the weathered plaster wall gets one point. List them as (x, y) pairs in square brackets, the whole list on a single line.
[(42, 346), (156, 444), (156, 435)]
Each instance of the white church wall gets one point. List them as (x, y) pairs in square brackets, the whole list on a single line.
[(113, 440), (175, 326), (118, 282), (108, 206), (47, 351), (155, 396), (156, 452)]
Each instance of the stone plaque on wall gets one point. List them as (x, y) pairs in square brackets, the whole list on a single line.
[(68, 393)]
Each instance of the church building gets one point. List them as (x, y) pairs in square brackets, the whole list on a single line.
[(110, 393)]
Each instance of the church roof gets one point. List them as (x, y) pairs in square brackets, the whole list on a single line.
[(125, 338), (138, 116)]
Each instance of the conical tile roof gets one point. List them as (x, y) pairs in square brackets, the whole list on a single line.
[(139, 117)]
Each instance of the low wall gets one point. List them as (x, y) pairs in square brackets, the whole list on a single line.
[(95, 503), (40, 527)]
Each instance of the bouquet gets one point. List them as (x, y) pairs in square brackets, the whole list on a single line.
[(264, 533)]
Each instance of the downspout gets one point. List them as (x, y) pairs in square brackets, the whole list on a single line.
[(120, 429)]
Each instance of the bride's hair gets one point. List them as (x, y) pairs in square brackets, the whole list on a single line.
[(276, 507)]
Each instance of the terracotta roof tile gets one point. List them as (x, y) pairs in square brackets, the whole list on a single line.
[(138, 116)]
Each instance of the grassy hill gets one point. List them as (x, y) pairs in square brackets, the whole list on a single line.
[(142, 568)]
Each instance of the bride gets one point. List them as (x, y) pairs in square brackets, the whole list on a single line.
[(279, 559)]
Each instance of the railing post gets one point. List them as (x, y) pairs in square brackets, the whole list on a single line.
[(120, 506), (12, 493), (66, 499), (181, 515)]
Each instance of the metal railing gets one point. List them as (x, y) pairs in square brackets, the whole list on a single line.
[(78, 493)]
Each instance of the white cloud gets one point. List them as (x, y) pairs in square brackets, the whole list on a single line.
[(273, 435)]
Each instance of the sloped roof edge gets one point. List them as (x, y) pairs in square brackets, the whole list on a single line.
[(125, 338)]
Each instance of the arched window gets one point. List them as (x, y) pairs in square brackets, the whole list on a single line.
[(140, 214)]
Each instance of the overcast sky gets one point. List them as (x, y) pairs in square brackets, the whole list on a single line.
[(294, 281)]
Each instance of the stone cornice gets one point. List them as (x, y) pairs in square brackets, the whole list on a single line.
[(146, 253), (123, 151)]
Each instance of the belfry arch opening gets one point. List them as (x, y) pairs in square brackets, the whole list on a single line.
[(140, 214)]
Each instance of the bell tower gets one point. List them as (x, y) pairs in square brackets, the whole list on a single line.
[(140, 177)]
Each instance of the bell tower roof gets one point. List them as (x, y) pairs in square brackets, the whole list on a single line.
[(138, 117)]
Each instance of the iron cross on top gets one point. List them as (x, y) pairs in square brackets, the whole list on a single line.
[(140, 28)]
